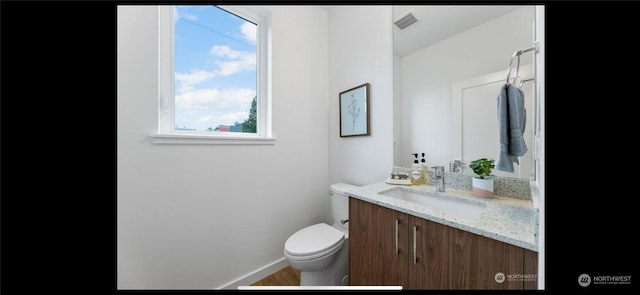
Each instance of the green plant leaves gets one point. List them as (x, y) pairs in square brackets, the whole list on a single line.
[(482, 167)]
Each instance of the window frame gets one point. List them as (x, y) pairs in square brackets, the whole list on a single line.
[(166, 132)]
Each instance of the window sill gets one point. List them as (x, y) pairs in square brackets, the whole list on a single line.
[(210, 139)]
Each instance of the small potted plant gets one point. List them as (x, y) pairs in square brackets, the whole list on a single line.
[(482, 185)]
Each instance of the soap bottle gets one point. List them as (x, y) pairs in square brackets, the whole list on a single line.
[(423, 170), (416, 174)]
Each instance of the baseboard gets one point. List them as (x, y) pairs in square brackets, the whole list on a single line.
[(256, 275)]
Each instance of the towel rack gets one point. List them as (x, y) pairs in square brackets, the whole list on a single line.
[(517, 54), (524, 81)]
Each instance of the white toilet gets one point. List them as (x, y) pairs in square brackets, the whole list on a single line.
[(320, 251)]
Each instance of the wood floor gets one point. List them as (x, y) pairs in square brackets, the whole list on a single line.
[(284, 277)]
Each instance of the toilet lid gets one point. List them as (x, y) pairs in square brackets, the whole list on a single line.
[(313, 239)]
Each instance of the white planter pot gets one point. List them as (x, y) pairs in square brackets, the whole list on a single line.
[(482, 187)]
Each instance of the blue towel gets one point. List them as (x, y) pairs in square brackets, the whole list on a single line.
[(511, 120)]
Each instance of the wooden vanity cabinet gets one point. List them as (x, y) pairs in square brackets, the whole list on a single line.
[(388, 247), (377, 245), (475, 260), (531, 267)]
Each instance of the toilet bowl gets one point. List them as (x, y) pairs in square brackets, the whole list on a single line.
[(320, 251), (314, 247)]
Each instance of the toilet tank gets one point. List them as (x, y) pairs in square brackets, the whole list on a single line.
[(340, 204)]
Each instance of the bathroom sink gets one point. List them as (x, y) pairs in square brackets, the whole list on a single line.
[(439, 201)]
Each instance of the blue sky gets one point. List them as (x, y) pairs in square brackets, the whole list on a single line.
[(215, 67)]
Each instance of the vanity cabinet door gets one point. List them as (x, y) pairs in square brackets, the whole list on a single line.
[(476, 262), (377, 245), (454, 259), (428, 258)]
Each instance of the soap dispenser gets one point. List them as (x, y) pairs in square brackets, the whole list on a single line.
[(423, 170), (416, 172)]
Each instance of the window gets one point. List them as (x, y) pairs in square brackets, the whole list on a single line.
[(212, 75)]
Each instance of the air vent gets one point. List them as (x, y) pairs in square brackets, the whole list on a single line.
[(406, 21)]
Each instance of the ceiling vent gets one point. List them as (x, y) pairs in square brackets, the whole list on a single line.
[(406, 21)]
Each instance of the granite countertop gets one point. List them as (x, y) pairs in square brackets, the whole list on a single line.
[(510, 220)]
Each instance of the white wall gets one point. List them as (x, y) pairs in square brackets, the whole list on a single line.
[(208, 216), (361, 51), (426, 77)]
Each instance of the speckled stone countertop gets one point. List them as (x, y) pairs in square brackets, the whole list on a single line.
[(510, 220)]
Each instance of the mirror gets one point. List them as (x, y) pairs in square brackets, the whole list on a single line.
[(449, 66)]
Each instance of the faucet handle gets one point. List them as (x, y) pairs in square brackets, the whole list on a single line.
[(438, 171)]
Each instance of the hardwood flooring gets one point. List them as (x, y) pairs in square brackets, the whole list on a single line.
[(287, 276)]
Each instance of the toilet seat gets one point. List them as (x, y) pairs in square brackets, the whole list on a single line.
[(314, 241)]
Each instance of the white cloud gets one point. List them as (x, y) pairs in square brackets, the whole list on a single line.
[(227, 119), (238, 60), (249, 32), (180, 13), (232, 118), (206, 119), (192, 78), (226, 51), (209, 99), (231, 67)]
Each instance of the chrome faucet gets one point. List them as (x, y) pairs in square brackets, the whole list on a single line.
[(438, 178)]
